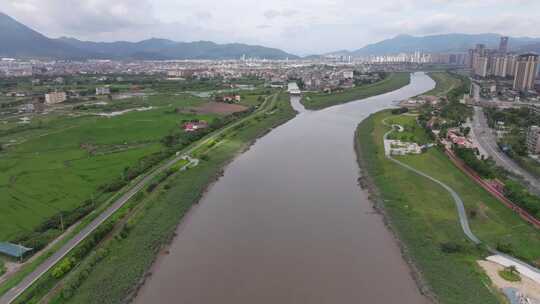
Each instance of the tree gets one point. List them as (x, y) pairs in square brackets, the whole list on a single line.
[(512, 269)]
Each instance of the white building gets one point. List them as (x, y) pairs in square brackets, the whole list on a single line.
[(103, 91), (348, 74), (55, 97)]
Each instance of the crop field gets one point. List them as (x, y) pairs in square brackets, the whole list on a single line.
[(392, 82), (424, 217), (58, 161)]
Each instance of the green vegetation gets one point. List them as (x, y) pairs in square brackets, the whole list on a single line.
[(510, 274), (445, 82), (60, 165), (412, 131), (394, 81), (116, 261), (521, 196), (424, 217), (58, 168)]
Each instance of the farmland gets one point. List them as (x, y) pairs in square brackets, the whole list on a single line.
[(394, 81), (63, 159), (424, 218)]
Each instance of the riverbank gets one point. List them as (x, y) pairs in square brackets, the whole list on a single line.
[(445, 81), (423, 217), (317, 101), (132, 250)]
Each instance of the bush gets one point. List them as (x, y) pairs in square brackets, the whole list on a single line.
[(400, 111), (482, 167), (451, 247), (64, 267), (151, 187), (2, 268), (521, 196), (505, 248)]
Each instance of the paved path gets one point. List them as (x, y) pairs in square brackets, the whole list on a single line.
[(526, 269), (457, 200), (30, 279)]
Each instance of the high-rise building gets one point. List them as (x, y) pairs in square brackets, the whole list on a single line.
[(470, 58), (511, 65), (500, 66), (525, 72), (503, 45), (533, 139)]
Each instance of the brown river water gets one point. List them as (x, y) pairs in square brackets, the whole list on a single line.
[(288, 223)]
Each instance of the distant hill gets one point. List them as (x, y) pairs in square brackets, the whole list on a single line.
[(166, 49), (534, 47), (437, 43), (18, 40)]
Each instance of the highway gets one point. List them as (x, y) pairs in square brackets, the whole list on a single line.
[(30, 279), (487, 141)]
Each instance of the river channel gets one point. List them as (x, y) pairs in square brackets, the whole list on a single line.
[(288, 223)]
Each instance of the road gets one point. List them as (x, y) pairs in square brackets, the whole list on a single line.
[(488, 142), (30, 279)]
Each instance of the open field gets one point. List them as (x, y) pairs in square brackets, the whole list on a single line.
[(218, 108), (58, 161), (424, 217), (394, 81), (445, 82), (152, 222)]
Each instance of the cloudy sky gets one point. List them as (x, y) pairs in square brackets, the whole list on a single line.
[(298, 26)]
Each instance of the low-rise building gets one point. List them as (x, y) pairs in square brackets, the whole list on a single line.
[(193, 126), (103, 91), (55, 97)]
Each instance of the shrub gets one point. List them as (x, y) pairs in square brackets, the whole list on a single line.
[(451, 247), (505, 248)]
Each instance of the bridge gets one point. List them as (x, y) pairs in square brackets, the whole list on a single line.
[(293, 89)]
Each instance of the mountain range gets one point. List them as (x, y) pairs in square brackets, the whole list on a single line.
[(440, 44), (21, 41)]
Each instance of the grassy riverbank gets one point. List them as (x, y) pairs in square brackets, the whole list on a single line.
[(445, 82), (130, 252), (316, 101), (424, 217)]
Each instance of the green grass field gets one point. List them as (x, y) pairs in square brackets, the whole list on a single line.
[(424, 217), (445, 82), (394, 81), (60, 161)]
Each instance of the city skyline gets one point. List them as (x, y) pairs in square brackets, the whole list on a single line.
[(300, 27)]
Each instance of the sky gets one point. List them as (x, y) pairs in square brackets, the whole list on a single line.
[(298, 26)]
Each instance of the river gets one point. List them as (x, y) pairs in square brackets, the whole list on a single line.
[(288, 223)]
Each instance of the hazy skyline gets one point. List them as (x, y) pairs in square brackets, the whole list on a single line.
[(301, 27)]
